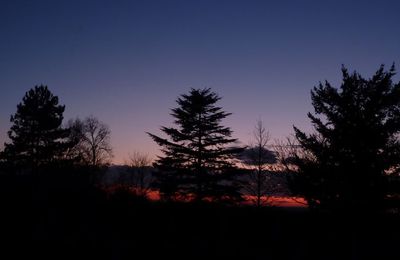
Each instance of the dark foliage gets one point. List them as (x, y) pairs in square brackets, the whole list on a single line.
[(355, 147), (60, 214), (198, 160), (36, 135)]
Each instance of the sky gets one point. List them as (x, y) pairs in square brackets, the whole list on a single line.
[(126, 62)]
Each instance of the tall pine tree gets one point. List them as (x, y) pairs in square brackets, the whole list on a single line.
[(36, 135), (356, 143), (198, 158)]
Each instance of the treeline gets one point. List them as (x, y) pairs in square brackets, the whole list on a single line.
[(350, 162)]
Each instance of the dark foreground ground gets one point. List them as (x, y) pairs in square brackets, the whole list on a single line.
[(70, 221)]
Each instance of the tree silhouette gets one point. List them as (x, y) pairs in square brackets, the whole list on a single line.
[(259, 158), (139, 173), (355, 145), (75, 151), (197, 161), (36, 135), (92, 141)]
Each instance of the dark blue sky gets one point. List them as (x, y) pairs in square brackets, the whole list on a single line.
[(127, 61)]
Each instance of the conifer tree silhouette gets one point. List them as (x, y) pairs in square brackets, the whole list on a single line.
[(355, 145), (36, 135), (198, 158)]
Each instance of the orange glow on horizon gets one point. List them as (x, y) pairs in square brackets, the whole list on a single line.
[(275, 201)]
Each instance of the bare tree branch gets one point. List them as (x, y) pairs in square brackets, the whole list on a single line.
[(140, 173), (92, 141), (259, 160)]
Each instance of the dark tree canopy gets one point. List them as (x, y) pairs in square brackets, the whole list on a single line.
[(36, 135), (356, 144), (198, 158)]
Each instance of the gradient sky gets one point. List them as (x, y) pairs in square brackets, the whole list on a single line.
[(126, 62)]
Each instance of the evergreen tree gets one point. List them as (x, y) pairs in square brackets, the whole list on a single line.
[(346, 162), (36, 135), (197, 159)]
